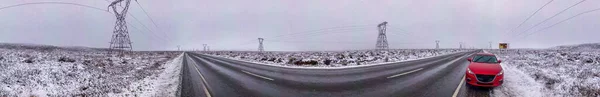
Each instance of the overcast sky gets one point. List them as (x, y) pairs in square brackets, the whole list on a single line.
[(291, 25)]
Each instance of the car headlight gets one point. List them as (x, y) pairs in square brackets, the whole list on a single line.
[(501, 72), (469, 71)]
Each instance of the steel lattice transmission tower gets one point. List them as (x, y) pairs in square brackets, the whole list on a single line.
[(437, 44), (205, 47), (260, 45), (120, 38), (382, 43)]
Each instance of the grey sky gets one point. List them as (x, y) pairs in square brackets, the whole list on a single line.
[(235, 24)]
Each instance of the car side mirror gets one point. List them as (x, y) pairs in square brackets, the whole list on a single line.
[(470, 59), (499, 61)]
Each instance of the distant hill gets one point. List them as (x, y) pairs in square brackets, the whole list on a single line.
[(47, 47), (587, 46)]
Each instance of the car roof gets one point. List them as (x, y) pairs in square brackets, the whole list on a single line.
[(485, 54)]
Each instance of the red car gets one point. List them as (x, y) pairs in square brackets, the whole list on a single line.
[(484, 71)]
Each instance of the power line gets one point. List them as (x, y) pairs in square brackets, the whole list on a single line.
[(396, 29), (551, 17), (318, 30), (64, 3), (151, 20), (312, 33), (319, 42), (562, 21), (144, 26), (529, 17), (324, 33)]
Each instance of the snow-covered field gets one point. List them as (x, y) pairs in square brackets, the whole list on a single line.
[(37, 70), (549, 73), (332, 58)]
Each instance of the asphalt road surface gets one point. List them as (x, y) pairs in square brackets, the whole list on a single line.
[(440, 76)]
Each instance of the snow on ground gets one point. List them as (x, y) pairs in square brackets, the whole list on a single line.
[(36, 70), (332, 58), (549, 73), (164, 84)]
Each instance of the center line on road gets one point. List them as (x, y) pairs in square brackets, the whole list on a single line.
[(257, 75), (458, 88), (203, 82), (404, 73)]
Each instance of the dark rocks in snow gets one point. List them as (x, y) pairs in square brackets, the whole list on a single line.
[(311, 62), (272, 59), (587, 91), (563, 54), (588, 60), (65, 59), (264, 59), (550, 83), (291, 61), (87, 62), (28, 60), (344, 62), (327, 62)]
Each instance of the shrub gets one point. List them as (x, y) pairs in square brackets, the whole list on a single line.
[(272, 59), (327, 62), (28, 60), (65, 59)]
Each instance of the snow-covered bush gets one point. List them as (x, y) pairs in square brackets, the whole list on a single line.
[(553, 72), (30, 70), (332, 58)]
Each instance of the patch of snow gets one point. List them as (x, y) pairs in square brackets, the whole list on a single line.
[(164, 84), (549, 72), (332, 59), (517, 84), (32, 70)]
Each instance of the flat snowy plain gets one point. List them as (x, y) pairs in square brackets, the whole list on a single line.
[(42, 71)]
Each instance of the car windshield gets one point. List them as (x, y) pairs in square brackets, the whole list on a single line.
[(485, 59)]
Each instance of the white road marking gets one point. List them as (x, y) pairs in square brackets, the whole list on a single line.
[(204, 82), (459, 86), (405, 73), (257, 75)]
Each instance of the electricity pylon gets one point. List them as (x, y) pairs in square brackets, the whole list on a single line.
[(120, 39), (382, 43), (260, 45)]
